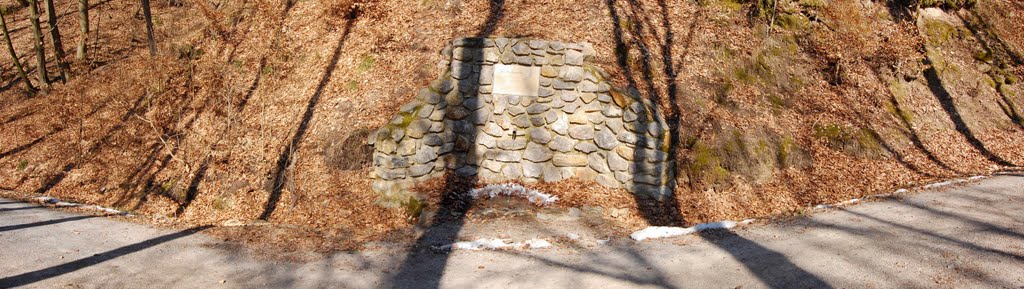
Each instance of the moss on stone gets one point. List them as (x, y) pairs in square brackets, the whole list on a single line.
[(791, 21), (939, 31), (784, 151), (812, 3), (707, 166)]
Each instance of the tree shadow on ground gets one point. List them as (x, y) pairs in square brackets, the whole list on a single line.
[(958, 242), (28, 278), (633, 31), (983, 33), (909, 132), (42, 138), (21, 208), (771, 267), (192, 191), (949, 105), (55, 179), (663, 210), (43, 223), (278, 176), (424, 264)]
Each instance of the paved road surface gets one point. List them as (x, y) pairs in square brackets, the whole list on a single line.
[(966, 237)]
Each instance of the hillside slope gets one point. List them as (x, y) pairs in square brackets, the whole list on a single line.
[(259, 110)]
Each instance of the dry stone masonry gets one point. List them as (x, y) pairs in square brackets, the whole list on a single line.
[(526, 110)]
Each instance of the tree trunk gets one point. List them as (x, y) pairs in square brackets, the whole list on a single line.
[(83, 20), (33, 10), (14, 55), (58, 46), (149, 27)]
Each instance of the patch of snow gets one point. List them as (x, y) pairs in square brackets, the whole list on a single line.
[(573, 236), (58, 203), (603, 242), (839, 204), (537, 244), (655, 232), (514, 190), (940, 184), (54, 201), (497, 244), (952, 182)]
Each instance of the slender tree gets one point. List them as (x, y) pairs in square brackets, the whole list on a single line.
[(14, 55), (149, 27), (58, 46), (83, 20), (37, 33)]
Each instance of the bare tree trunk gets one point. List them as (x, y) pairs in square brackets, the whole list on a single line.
[(33, 10), (83, 20), (14, 55), (58, 46), (149, 27)]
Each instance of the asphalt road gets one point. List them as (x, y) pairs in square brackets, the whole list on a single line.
[(959, 237)]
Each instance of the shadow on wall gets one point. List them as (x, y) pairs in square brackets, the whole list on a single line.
[(658, 204), (424, 267)]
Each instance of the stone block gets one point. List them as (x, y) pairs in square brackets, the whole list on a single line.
[(586, 147), (618, 163), (581, 132), (562, 144), (606, 140), (539, 135), (537, 153), (564, 160)]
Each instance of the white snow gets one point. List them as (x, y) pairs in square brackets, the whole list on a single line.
[(514, 190), (952, 182), (498, 244), (58, 203), (603, 242), (839, 204), (573, 236), (655, 232)]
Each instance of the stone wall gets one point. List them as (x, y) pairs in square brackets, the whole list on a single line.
[(574, 124)]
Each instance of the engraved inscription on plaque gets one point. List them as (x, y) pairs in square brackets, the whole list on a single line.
[(516, 80)]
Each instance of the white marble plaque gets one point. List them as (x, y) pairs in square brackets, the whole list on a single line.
[(516, 80)]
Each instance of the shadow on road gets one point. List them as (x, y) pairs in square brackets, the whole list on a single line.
[(20, 208), (44, 223), (47, 273), (771, 267)]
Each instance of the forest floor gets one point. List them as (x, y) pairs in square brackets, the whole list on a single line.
[(959, 236)]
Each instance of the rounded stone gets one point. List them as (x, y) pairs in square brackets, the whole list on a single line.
[(605, 140), (537, 153), (581, 132), (563, 160), (562, 144), (586, 147), (539, 135)]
